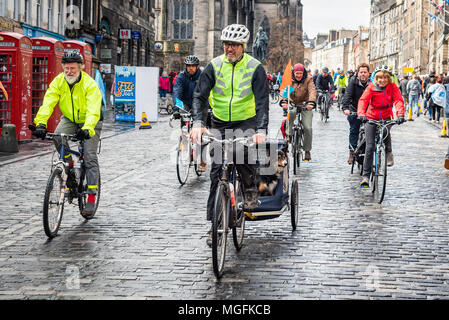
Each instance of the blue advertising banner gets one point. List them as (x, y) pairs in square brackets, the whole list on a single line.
[(125, 93)]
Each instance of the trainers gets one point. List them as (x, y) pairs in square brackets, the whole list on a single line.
[(202, 167), (390, 159), (89, 209), (307, 156), (251, 201), (365, 182), (446, 163), (351, 157)]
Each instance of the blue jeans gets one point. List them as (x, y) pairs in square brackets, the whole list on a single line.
[(354, 128), (163, 93), (413, 101)]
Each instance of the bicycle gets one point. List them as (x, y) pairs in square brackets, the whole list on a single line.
[(275, 93), (62, 185), (297, 138), (359, 151), (341, 95), (228, 211), (186, 150), (323, 103), (379, 170)]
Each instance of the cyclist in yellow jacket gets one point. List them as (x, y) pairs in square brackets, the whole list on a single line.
[(79, 99), (236, 86)]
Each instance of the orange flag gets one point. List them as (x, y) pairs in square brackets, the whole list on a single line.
[(286, 77), (4, 91)]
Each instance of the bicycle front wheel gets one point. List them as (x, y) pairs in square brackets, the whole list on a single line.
[(53, 203), (296, 152), (276, 98), (238, 231), (220, 228), (183, 160), (381, 174)]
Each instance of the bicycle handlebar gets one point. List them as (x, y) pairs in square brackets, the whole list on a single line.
[(244, 141), (382, 123)]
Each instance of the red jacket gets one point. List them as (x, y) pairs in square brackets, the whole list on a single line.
[(378, 105), (164, 83)]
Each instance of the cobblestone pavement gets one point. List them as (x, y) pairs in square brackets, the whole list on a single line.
[(147, 240)]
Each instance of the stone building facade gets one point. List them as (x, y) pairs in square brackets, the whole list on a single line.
[(186, 27)]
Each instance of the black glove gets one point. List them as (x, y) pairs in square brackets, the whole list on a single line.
[(82, 134), (363, 119), (40, 131), (400, 120)]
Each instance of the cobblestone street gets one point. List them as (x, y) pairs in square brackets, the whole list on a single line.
[(147, 240)]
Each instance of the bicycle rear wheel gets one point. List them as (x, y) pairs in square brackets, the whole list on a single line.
[(183, 160), (53, 203), (294, 204), (83, 195), (220, 228), (238, 231)]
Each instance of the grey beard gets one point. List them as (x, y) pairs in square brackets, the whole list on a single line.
[(72, 80)]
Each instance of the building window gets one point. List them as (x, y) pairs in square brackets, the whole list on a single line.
[(50, 15), (27, 14), (183, 19), (38, 13), (16, 9), (60, 17)]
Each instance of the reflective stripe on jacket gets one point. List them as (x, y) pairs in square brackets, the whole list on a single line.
[(80, 105), (232, 98)]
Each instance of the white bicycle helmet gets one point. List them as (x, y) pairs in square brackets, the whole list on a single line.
[(382, 67), (235, 33)]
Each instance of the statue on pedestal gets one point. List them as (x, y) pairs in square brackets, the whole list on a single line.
[(260, 45)]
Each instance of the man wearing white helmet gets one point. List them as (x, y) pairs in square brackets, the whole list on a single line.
[(236, 86)]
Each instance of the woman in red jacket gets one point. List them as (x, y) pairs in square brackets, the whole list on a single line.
[(164, 84), (376, 103)]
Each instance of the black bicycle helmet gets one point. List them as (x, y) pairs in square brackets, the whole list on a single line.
[(72, 56), (191, 60)]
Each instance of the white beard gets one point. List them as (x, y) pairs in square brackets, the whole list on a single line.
[(71, 80)]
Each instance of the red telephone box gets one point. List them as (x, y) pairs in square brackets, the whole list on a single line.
[(84, 49), (15, 74), (47, 56)]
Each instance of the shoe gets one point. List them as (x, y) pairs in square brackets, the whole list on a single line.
[(202, 167), (251, 202), (351, 157), (209, 238), (307, 156), (89, 209), (390, 159), (365, 182), (446, 163)]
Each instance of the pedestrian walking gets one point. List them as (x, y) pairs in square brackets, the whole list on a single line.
[(437, 93), (413, 92), (164, 84)]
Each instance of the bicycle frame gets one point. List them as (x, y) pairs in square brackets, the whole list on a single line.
[(381, 127)]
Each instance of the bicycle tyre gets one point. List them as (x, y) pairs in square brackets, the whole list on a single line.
[(238, 232), (382, 175), (219, 229), (82, 198), (295, 152), (276, 98), (294, 204), (181, 155), (52, 231)]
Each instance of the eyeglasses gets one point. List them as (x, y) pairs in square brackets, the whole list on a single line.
[(231, 44)]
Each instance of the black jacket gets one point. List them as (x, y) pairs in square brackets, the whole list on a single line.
[(353, 93), (184, 86), (205, 84), (323, 83)]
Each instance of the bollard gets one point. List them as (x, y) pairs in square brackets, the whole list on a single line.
[(8, 140)]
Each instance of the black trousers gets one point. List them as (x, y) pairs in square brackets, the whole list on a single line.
[(370, 136), (222, 130)]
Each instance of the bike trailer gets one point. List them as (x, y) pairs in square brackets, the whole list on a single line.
[(275, 205)]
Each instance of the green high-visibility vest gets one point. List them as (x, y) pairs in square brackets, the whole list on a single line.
[(232, 98)]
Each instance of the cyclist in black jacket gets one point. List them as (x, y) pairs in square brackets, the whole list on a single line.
[(324, 82), (354, 91)]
